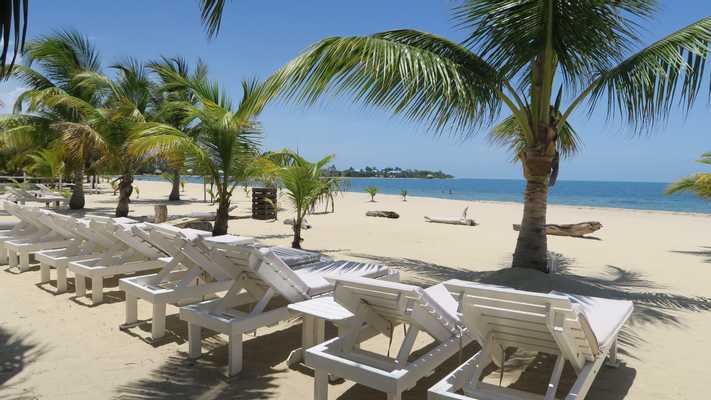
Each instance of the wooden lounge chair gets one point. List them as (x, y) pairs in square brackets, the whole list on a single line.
[(138, 255), (378, 307), (577, 329), (180, 281), (90, 243), (260, 275), (48, 236)]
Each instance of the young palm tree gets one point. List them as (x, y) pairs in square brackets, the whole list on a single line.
[(51, 66), (47, 162), (699, 184), (540, 60), (222, 139), (303, 183)]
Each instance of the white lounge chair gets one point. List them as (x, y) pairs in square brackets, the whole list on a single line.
[(22, 196), (577, 329), (48, 236), (22, 228), (259, 276), (378, 307), (137, 256), (90, 243), (180, 281)]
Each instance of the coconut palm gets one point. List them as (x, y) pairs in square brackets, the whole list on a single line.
[(372, 191), (540, 60), (169, 91), (109, 128), (303, 183), (222, 140), (51, 66), (699, 184)]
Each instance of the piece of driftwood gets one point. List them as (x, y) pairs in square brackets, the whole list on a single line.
[(463, 220), (161, 213), (304, 224), (577, 230), (193, 223), (383, 214)]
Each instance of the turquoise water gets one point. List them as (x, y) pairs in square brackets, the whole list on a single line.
[(636, 195)]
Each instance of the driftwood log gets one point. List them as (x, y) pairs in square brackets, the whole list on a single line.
[(463, 220), (577, 230), (383, 214), (193, 223)]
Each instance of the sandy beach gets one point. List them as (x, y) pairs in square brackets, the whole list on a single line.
[(57, 347)]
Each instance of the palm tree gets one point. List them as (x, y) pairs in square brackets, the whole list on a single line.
[(124, 103), (222, 139), (51, 67), (303, 183), (699, 184), (169, 91), (540, 60), (372, 191), (48, 162)]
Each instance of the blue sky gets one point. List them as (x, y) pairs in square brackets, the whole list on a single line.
[(259, 36)]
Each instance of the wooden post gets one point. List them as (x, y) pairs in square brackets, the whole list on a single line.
[(161, 211)]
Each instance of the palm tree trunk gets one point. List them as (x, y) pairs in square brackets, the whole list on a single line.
[(296, 243), (532, 245), (125, 187), (76, 202), (175, 190), (223, 215)]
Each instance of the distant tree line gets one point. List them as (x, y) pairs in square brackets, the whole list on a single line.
[(396, 172)]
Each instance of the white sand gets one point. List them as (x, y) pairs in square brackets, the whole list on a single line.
[(54, 347)]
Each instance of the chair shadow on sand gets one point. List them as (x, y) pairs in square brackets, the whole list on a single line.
[(181, 378), (17, 351)]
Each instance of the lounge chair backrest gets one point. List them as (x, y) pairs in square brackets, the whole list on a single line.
[(529, 320), (397, 303), (47, 218), (123, 233), (262, 265), (30, 215)]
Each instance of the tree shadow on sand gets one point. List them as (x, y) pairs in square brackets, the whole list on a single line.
[(706, 253), (16, 352), (653, 305), (181, 378)]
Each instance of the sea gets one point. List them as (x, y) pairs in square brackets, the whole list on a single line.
[(634, 195)]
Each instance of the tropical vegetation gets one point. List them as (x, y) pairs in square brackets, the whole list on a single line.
[(372, 191), (698, 184), (304, 185), (539, 60)]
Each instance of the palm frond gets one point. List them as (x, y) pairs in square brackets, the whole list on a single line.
[(211, 15), (643, 88), (14, 19), (417, 75)]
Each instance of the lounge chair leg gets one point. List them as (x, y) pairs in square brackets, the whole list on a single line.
[(158, 325), (612, 360), (97, 289), (44, 273), (12, 258), (194, 340), (80, 285), (131, 309), (235, 357), (61, 279), (394, 396), (321, 385), (24, 261), (3, 256)]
